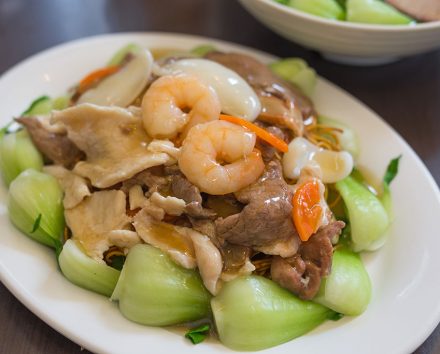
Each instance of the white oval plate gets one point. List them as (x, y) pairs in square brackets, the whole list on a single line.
[(406, 303)]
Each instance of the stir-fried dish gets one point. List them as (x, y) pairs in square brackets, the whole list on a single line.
[(200, 189)]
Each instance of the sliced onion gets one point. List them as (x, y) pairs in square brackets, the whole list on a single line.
[(122, 88)]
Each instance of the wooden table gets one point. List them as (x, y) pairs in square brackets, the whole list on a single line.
[(406, 94)]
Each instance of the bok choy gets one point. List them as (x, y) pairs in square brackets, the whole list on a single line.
[(35, 206), (368, 217), (296, 71), (153, 290), (347, 289), (254, 313), (18, 153), (85, 271)]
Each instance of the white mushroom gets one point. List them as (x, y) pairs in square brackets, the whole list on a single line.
[(174, 240), (171, 205), (122, 88), (95, 218), (113, 140), (124, 239), (209, 262), (166, 147), (75, 187), (334, 165), (236, 96), (136, 197)]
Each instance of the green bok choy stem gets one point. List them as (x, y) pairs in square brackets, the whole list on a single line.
[(85, 272), (254, 313), (347, 289), (35, 195), (153, 290), (18, 153)]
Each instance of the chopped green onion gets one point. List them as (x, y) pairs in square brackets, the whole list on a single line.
[(198, 335), (36, 224), (390, 174), (392, 170)]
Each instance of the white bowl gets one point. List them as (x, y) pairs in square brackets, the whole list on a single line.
[(347, 42)]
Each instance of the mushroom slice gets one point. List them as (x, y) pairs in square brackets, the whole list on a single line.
[(174, 240), (124, 239), (113, 140), (93, 221), (122, 88), (75, 187), (209, 262), (171, 205), (165, 146)]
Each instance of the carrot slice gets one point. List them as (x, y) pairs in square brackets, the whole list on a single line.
[(95, 76), (260, 132), (306, 209)]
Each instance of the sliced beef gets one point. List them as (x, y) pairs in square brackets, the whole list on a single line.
[(422, 10), (153, 178), (302, 273), (205, 227), (282, 103), (184, 189), (266, 216), (56, 147), (319, 248)]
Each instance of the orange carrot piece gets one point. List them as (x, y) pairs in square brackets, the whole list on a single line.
[(96, 75), (260, 132), (306, 209)]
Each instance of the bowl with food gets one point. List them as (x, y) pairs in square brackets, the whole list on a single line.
[(214, 194), (358, 32)]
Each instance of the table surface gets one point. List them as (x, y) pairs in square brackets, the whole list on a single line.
[(402, 93)]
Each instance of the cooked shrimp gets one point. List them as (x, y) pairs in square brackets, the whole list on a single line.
[(219, 157), (175, 103)]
